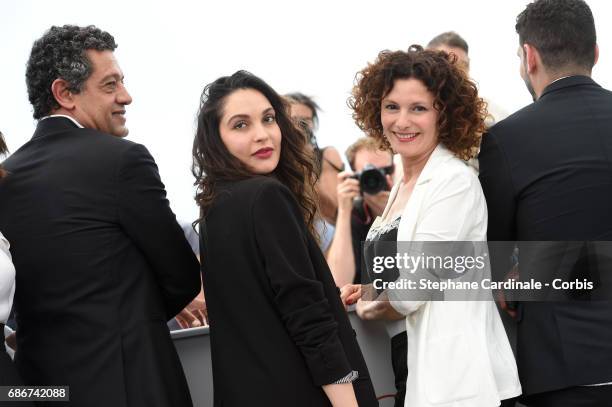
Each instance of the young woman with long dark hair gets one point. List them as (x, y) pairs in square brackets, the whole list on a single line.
[(279, 332)]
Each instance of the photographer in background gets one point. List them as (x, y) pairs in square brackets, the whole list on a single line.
[(303, 111), (361, 198)]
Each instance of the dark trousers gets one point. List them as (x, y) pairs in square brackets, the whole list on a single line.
[(399, 361), (579, 396)]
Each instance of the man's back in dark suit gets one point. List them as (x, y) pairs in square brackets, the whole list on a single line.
[(547, 174), (556, 157), (102, 265)]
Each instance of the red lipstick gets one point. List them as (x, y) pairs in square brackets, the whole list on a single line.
[(265, 152)]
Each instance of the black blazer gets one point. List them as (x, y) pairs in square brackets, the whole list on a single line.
[(546, 172), (101, 265), (278, 328)]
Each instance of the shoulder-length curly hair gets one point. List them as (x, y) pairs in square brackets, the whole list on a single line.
[(213, 163), (461, 112)]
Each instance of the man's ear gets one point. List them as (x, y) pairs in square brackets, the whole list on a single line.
[(63, 95), (532, 58), (596, 54)]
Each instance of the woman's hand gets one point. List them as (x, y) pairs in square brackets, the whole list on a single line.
[(195, 314), (350, 293)]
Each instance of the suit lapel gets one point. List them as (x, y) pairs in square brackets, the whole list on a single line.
[(412, 211)]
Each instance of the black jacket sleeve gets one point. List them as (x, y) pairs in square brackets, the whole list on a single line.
[(498, 188), (282, 239), (146, 217)]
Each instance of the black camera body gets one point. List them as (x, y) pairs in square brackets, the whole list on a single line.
[(372, 180)]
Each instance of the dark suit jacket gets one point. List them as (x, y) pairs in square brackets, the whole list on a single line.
[(546, 172), (101, 265), (278, 328)]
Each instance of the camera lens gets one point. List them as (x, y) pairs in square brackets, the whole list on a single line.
[(372, 181)]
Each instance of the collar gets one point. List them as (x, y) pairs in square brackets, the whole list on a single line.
[(566, 82), (54, 124), (558, 79), (439, 155), (72, 119)]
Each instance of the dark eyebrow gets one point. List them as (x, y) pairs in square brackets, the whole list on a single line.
[(246, 116), (238, 116), (417, 102)]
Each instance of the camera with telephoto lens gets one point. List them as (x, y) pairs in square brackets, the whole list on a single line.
[(372, 179)]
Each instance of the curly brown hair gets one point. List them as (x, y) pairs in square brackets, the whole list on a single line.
[(461, 113), (212, 162)]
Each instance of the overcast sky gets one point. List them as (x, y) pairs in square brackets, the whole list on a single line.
[(169, 50)]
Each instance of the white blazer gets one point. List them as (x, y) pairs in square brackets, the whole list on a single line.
[(458, 351)]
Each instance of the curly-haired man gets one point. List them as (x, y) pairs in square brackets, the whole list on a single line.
[(101, 262)]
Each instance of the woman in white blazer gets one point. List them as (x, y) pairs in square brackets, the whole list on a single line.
[(423, 107)]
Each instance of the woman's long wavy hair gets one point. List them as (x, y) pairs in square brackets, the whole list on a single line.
[(213, 163)]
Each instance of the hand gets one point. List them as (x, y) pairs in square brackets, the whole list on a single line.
[(350, 293), (347, 190), (195, 314), (501, 296)]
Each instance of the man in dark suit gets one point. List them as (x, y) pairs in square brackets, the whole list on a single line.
[(546, 172), (102, 263)]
